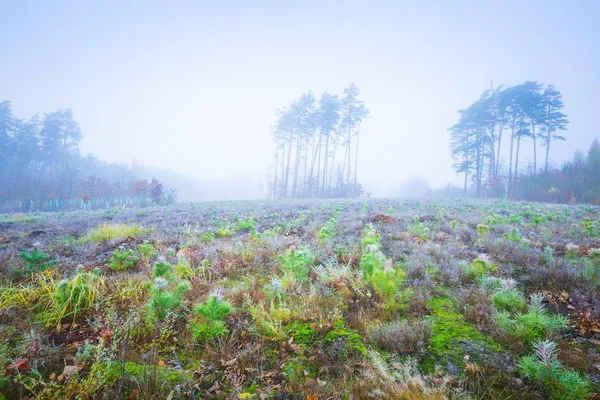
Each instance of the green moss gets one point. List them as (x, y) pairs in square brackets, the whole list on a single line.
[(112, 372), (303, 333), (353, 339), (449, 330)]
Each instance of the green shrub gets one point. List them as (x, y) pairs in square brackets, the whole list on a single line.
[(370, 236), (163, 301), (210, 324), (297, 262), (146, 250), (123, 259), (223, 232), (544, 367), (246, 224), (371, 261), (419, 230), (479, 268), (207, 236), (482, 231), (509, 300), (535, 324), (161, 269), (36, 261)]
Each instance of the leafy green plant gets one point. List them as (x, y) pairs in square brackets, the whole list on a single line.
[(161, 269), (543, 366), (207, 236), (163, 301), (246, 224), (123, 259), (370, 236), (146, 250), (509, 300), (419, 230), (210, 324), (297, 262), (72, 298), (514, 235), (482, 231), (327, 231), (223, 232), (36, 261), (480, 267), (535, 324), (372, 261), (588, 228)]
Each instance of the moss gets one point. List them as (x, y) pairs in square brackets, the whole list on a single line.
[(112, 372), (302, 332), (450, 331), (353, 339)]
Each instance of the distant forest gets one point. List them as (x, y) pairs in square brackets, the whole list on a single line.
[(317, 146), (527, 112), (41, 168)]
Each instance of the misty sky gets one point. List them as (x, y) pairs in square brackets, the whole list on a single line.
[(193, 86)]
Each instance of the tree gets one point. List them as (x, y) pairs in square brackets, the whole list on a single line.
[(307, 138), (353, 112), (329, 108), (553, 119)]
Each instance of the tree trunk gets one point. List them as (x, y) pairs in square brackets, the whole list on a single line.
[(517, 159), (275, 177), (287, 169), (548, 138), (466, 165), (325, 160), (305, 188), (312, 166), (332, 166), (534, 148), (348, 150), (297, 167), (497, 170), (510, 160), (547, 152), (355, 163)]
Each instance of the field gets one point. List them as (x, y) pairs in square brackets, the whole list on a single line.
[(383, 299)]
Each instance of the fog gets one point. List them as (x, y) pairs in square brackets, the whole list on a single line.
[(193, 87)]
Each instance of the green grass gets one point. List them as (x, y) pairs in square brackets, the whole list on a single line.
[(107, 232)]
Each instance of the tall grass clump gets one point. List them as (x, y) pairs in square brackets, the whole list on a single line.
[(107, 232)]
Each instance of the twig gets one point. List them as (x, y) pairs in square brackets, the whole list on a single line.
[(192, 394), (125, 350)]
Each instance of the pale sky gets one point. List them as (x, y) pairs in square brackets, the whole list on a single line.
[(192, 86)]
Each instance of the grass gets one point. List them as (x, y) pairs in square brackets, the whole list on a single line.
[(106, 232), (317, 299)]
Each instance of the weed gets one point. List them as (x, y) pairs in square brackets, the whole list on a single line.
[(107, 232), (123, 259), (207, 236), (297, 262), (72, 298), (147, 251), (210, 324), (543, 366), (36, 261)]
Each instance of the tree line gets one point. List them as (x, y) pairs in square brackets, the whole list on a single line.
[(530, 111), (317, 146), (577, 180), (41, 168)]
